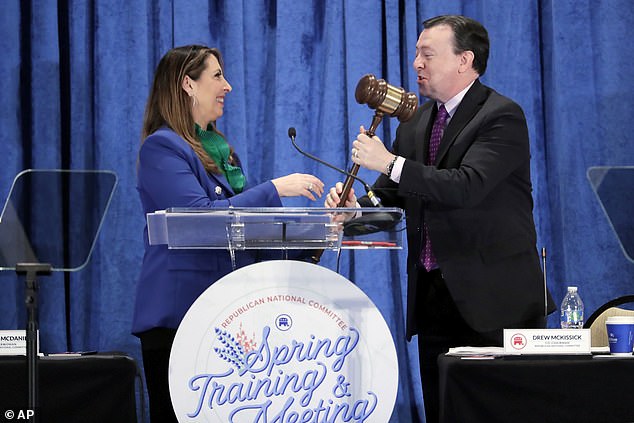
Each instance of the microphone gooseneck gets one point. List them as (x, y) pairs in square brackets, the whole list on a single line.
[(292, 133)]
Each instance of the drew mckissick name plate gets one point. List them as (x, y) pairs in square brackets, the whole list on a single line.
[(283, 341), (547, 341)]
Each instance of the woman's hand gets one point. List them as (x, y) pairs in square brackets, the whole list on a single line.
[(297, 184)]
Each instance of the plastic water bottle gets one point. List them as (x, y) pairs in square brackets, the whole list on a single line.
[(572, 310)]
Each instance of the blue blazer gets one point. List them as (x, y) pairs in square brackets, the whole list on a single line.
[(171, 175)]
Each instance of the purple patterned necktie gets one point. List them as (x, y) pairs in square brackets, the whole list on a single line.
[(427, 256)]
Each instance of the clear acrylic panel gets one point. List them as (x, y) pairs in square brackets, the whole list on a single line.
[(614, 188), (53, 216), (277, 228)]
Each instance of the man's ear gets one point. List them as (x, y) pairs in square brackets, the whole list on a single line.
[(466, 60)]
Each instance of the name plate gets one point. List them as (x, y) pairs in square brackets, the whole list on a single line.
[(547, 341), (13, 342)]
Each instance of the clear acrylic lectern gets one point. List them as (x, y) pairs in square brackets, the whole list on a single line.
[(282, 228), (49, 223)]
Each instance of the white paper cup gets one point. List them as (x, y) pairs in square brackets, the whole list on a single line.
[(620, 334)]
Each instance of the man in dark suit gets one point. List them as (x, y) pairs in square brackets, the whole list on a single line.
[(460, 168)]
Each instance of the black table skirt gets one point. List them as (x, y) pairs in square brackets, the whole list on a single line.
[(561, 389), (92, 388)]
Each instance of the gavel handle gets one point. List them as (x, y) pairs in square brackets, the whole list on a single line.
[(347, 184), (316, 256)]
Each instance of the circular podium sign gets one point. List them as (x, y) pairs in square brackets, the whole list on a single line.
[(283, 341)]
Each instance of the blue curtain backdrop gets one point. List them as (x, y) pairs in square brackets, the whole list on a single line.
[(76, 74)]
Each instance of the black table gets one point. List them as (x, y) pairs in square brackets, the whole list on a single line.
[(544, 389), (89, 388)]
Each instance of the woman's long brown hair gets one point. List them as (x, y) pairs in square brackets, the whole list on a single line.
[(168, 103)]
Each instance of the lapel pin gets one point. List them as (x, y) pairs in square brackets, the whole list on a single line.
[(218, 190)]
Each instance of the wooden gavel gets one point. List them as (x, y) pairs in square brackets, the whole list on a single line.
[(382, 98)]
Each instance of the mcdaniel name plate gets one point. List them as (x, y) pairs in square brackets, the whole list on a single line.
[(547, 341), (282, 342), (13, 342)]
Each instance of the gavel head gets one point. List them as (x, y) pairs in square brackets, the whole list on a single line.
[(379, 95)]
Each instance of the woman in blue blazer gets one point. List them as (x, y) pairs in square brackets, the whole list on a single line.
[(184, 161)]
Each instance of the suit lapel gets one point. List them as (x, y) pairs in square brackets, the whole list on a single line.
[(423, 131), (468, 107)]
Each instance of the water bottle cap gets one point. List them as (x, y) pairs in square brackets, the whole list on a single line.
[(572, 289)]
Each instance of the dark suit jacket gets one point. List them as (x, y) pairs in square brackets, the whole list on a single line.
[(478, 207), (171, 175)]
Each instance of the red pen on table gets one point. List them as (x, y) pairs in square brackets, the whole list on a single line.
[(369, 243)]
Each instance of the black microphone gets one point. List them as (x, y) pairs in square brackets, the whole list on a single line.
[(376, 201), (363, 225)]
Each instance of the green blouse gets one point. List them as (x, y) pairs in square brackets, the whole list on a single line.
[(218, 149)]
